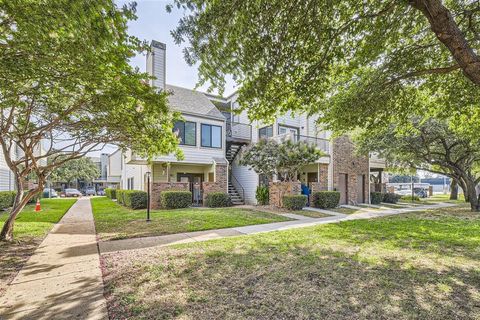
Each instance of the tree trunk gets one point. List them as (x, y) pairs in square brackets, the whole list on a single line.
[(19, 203), (447, 31), (453, 190), (472, 196)]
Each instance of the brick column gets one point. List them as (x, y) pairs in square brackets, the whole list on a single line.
[(158, 187), (221, 181)]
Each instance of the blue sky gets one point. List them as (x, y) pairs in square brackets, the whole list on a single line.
[(154, 23)]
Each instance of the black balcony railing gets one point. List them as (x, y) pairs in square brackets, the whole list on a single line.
[(237, 130)]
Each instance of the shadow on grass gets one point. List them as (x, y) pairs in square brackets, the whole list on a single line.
[(422, 267)]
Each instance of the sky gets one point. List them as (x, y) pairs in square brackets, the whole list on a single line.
[(155, 23)]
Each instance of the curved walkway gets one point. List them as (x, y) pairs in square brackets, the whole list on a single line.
[(62, 279), (162, 241)]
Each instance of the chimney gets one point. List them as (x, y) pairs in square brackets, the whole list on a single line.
[(156, 64)]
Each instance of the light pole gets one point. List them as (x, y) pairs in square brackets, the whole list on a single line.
[(148, 174)]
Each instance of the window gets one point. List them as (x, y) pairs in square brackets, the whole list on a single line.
[(130, 183), (265, 132), (187, 132), (211, 136), (293, 131)]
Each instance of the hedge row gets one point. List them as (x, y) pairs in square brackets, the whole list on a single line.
[(409, 198), (134, 199), (294, 202), (326, 199), (378, 197), (218, 199), (175, 199), (6, 199), (111, 193)]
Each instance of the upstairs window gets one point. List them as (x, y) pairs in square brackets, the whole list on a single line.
[(211, 136), (265, 132), (186, 132)]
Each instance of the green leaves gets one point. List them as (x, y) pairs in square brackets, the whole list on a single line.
[(269, 157), (355, 63)]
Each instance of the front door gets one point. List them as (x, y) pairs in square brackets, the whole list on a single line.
[(343, 188), (361, 188), (195, 180)]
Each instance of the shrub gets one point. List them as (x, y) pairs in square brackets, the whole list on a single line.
[(390, 197), (119, 194), (217, 199), (6, 199), (175, 199), (135, 199), (111, 193), (262, 195), (294, 202), (409, 198), (376, 197), (326, 199)]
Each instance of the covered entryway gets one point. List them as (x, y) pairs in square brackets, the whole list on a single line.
[(195, 181)]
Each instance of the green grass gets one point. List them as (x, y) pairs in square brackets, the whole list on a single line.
[(113, 221), (29, 230), (311, 214), (36, 224), (411, 266)]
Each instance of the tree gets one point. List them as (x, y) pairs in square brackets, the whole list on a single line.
[(379, 60), (66, 89), (74, 170), (432, 146), (285, 159)]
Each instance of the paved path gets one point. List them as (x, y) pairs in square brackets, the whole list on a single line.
[(62, 279), (162, 241)]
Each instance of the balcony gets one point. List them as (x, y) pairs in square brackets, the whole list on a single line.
[(239, 132), (321, 143)]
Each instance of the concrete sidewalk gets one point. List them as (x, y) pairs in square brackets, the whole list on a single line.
[(62, 279), (162, 241)]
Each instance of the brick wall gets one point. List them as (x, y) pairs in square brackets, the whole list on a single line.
[(279, 189), (158, 187), (221, 181), (322, 185), (345, 161)]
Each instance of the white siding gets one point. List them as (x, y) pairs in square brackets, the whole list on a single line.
[(6, 176), (135, 171), (199, 154), (247, 178)]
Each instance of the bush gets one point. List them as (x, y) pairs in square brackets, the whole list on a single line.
[(390, 197), (217, 199), (294, 202), (409, 198), (175, 199), (326, 199), (135, 199), (119, 194), (262, 195), (6, 199), (376, 197), (111, 193)]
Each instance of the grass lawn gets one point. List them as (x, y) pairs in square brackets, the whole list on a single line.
[(30, 229), (311, 214), (410, 266), (113, 221)]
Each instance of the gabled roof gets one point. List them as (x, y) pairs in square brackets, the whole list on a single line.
[(192, 102)]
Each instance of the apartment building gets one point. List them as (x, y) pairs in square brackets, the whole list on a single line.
[(213, 137)]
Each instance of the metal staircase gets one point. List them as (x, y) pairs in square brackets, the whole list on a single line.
[(236, 198), (232, 151)]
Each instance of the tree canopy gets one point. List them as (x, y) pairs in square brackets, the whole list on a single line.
[(284, 159), (66, 88), (428, 145), (75, 170), (357, 63)]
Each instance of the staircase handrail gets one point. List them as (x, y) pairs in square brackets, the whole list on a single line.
[(243, 190)]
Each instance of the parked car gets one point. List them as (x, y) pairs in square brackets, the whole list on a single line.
[(72, 193), (421, 192), (90, 191), (50, 193), (100, 192)]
